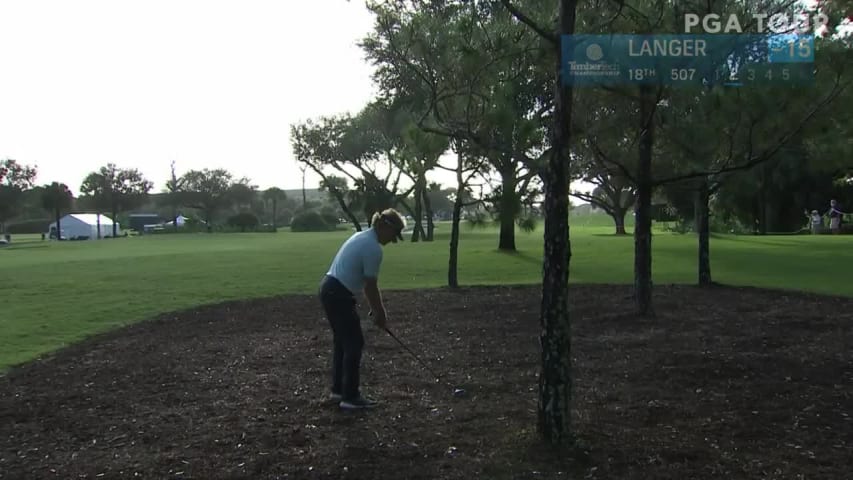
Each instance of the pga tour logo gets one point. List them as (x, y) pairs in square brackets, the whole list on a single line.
[(776, 23)]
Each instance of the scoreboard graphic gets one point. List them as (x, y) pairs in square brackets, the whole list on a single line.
[(688, 60)]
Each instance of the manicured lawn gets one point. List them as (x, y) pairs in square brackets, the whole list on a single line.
[(57, 293)]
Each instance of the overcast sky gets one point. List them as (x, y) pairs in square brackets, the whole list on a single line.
[(207, 83)]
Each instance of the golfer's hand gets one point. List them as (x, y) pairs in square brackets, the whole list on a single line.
[(380, 319)]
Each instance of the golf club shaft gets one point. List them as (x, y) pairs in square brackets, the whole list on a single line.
[(412, 353)]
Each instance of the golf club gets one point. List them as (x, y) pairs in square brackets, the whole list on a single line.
[(457, 392)]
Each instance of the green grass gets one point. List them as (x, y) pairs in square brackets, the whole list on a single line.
[(58, 293)]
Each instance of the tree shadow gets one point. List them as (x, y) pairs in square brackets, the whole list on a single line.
[(22, 246), (523, 256)]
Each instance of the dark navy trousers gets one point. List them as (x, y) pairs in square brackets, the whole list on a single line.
[(348, 341)]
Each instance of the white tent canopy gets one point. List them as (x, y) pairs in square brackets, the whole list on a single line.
[(181, 221), (83, 225)]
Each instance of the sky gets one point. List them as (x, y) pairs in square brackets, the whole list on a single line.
[(206, 83)]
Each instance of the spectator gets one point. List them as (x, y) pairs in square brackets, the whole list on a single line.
[(815, 222), (835, 215)]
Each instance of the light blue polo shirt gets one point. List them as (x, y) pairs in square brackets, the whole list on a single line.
[(359, 257)]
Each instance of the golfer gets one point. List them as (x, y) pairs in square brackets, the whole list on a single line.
[(356, 269)]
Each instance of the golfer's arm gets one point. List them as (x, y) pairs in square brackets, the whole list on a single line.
[(371, 291)]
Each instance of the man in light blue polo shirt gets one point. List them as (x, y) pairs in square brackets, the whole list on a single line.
[(355, 269)]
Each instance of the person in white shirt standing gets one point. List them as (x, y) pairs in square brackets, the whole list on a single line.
[(835, 216), (355, 269)]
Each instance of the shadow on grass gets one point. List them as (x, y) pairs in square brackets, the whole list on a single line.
[(613, 235), (22, 246), (523, 256)]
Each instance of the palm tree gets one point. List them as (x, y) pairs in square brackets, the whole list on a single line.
[(274, 195), (56, 199), (97, 186)]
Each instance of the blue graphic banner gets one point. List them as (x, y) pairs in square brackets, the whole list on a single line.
[(687, 60)]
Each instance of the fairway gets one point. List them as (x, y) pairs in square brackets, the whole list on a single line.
[(63, 292)]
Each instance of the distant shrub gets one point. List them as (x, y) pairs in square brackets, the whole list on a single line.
[(329, 217), (311, 222), (244, 221), (285, 216), (480, 220), (679, 225), (29, 226), (527, 224)]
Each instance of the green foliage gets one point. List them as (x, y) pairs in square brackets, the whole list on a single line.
[(14, 180), (13, 174), (311, 221), (211, 191), (360, 143), (34, 226), (527, 224), (244, 221), (285, 215), (680, 226), (56, 198), (275, 194), (330, 216), (116, 189), (480, 219)]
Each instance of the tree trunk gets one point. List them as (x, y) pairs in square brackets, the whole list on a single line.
[(430, 233), (175, 219), (418, 228), (555, 381), (274, 205), (762, 203), (771, 223), (98, 218), (643, 227), (508, 208), (349, 213), (115, 225), (702, 213), (58, 226), (453, 263), (619, 219), (304, 197)]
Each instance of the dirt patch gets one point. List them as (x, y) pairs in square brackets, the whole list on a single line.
[(724, 383)]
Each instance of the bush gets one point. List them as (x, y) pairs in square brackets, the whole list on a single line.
[(310, 222), (329, 217), (527, 224), (29, 226), (244, 221), (680, 226), (479, 219), (285, 216)]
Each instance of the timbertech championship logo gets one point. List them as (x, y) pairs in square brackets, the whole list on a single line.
[(593, 66), (764, 23)]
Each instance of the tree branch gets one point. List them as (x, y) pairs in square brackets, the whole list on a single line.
[(766, 155), (594, 201), (521, 17)]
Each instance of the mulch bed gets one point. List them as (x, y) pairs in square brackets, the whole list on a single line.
[(722, 383)]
